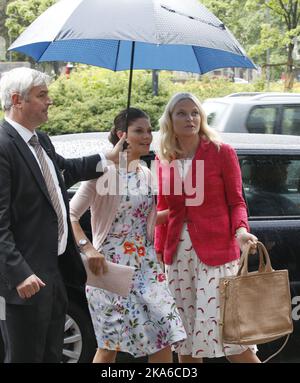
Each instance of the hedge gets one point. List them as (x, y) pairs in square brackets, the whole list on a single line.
[(89, 100)]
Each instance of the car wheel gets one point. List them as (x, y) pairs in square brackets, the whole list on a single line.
[(79, 338)]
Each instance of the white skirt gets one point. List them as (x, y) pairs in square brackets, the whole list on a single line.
[(195, 287)]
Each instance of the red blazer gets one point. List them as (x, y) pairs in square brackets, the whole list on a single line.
[(212, 223)]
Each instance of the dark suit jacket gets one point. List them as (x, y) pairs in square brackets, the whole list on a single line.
[(28, 222)]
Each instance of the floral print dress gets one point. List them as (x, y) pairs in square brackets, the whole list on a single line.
[(147, 320)]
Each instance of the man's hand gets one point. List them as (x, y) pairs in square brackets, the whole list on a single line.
[(113, 155), (30, 287), (96, 261)]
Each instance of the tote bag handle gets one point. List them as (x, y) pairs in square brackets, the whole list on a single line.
[(264, 260)]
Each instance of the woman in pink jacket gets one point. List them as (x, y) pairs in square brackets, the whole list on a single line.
[(203, 225), (123, 216)]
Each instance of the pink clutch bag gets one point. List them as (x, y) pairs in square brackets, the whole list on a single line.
[(117, 279)]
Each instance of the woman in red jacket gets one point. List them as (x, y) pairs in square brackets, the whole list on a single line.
[(203, 225)]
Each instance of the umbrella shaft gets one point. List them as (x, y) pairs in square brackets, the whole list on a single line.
[(129, 89), (130, 75)]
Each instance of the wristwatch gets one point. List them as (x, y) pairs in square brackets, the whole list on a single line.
[(82, 242)]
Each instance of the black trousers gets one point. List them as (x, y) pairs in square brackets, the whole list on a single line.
[(34, 333)]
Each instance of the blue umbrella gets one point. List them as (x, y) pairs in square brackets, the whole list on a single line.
[(133, 34)]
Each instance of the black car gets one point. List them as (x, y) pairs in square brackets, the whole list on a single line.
[(270, 166)]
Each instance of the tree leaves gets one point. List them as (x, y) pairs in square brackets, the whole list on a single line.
[(21, 13)]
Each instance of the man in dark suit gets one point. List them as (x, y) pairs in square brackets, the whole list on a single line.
[(37, 249)]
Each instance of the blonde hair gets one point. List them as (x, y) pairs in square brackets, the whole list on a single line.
[(169, 147)]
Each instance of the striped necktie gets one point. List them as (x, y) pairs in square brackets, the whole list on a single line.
[(34, 142)]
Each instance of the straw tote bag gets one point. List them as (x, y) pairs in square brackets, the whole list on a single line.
[(255, 307)]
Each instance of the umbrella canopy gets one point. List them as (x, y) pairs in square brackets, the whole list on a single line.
[(167, 34)]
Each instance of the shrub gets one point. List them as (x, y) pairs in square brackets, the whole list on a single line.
[(89, 100)]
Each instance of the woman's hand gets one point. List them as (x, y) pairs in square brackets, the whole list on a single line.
[(96, 261), (114, 154), (162, 217), (244, 238), (159, 257)]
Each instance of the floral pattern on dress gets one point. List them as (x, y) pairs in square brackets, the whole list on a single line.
[(147, 320)]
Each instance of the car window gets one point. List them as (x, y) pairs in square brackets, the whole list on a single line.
[(291, 120), (214, 112), (271, 185), (262, 120)]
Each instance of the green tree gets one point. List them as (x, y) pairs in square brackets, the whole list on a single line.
[(281, 28), (288, 13), (3, 4), (20, 14), (266, 28), (3, 30), (242, 21)]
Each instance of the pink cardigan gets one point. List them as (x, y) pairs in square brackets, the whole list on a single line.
[(104, 207), (213, 223)]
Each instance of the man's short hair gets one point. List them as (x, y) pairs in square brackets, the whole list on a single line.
[(21, 81)]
